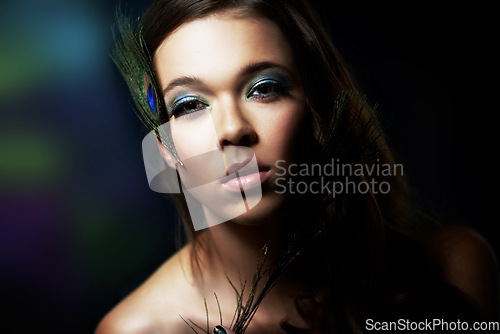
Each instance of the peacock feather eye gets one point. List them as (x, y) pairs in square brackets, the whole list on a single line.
[(150, 96), (151, 99)]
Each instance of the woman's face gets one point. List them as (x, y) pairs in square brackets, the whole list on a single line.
[(233, 90)]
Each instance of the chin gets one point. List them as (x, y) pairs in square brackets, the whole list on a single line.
[(265, 211)]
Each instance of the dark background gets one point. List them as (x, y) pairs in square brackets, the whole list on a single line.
[(79, 227)]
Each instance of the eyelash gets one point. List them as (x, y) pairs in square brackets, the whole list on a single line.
[(277, 89), (178, 108)]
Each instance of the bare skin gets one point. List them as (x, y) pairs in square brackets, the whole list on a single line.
[(156, 306), (468, 263)]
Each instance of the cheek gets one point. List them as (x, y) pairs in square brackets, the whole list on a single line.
[(193, 137), (282, 129)]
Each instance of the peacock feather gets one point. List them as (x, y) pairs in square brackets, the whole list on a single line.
[(265, 278), (135, 64)]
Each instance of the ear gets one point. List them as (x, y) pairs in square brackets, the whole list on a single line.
[(167, 156)]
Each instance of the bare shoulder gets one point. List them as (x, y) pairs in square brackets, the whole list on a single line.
[(154, 307), (469, 263)]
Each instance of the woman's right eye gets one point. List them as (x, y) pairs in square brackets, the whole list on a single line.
[(187, 105)]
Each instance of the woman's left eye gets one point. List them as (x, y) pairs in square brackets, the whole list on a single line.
[(266, 89)]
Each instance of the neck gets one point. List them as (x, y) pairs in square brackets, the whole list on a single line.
[(233, 248)]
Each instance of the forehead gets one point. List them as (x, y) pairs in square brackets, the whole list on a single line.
[(220, 43)]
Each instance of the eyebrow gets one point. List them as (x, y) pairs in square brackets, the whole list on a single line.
[(245, 71), (182, 81), (260, 66)]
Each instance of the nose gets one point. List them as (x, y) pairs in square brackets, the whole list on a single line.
[(232, 125)]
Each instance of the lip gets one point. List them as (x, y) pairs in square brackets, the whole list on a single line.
[(234, 167), (239, 183)]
